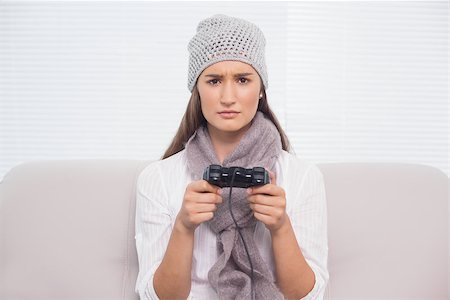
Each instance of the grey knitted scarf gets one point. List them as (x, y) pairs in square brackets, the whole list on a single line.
[(230, 276)]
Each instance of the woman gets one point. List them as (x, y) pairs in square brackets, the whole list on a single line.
[(190, 243)]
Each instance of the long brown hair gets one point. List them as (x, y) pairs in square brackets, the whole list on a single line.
[(193, 118)]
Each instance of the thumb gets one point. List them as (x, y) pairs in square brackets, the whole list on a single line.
[(272, 176)]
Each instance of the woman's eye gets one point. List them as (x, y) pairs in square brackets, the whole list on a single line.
[(242, 80), (213, 81)]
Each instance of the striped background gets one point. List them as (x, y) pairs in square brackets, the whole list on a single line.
[(349, 81)]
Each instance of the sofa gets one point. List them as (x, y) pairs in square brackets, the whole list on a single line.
[(67, 230)]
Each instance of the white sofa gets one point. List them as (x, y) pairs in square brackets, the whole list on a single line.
[(67, 230)]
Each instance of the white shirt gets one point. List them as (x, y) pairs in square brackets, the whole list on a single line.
[(160, 190)]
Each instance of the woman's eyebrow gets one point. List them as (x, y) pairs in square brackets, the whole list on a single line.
[(235, 75)]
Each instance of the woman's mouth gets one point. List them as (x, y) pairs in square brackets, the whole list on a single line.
[(228, 114)]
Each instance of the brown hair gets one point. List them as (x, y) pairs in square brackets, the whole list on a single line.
[(193, 118)]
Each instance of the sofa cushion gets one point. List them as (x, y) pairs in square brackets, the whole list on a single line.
[(388, 231), (67, 230)]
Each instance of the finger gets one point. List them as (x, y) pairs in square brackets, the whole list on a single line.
[(268, 189), (263, 218), (199, 197), (204, 208), (263, 209), (272, 177), (263, 200), (202, 217), (203, 186)]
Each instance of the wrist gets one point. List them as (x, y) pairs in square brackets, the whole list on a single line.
[(283, 229), (181, 228)]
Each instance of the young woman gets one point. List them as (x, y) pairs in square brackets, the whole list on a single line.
[(198, 241)]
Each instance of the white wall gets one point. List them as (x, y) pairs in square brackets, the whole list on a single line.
[(349, 81)]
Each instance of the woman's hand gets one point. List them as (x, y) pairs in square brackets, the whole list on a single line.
[(199, 204), (269, 204)]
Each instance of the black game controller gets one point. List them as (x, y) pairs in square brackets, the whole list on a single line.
[(243, 178)]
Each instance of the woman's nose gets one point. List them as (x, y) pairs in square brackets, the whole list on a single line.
[(228, 94)]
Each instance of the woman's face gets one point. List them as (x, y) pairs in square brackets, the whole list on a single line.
[(229, 95)]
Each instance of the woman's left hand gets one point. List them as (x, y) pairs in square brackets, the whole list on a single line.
[(268, 203)]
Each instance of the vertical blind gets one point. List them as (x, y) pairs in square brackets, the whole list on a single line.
[(349, 81)]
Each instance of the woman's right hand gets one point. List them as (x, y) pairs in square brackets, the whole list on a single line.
[(199, 204)]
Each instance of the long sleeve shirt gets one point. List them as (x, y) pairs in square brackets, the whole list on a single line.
[(160, 191)]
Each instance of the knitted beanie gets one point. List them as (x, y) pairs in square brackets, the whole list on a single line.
[(220, 38)]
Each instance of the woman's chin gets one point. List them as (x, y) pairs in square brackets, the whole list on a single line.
[(230, 130)]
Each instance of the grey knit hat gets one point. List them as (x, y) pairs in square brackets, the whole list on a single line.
[(220, 38)]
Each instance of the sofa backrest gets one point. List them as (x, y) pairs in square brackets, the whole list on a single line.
[(67, 230), (388, 231)]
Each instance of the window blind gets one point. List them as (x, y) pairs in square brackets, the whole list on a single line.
[(368, 81), (349, 81)]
